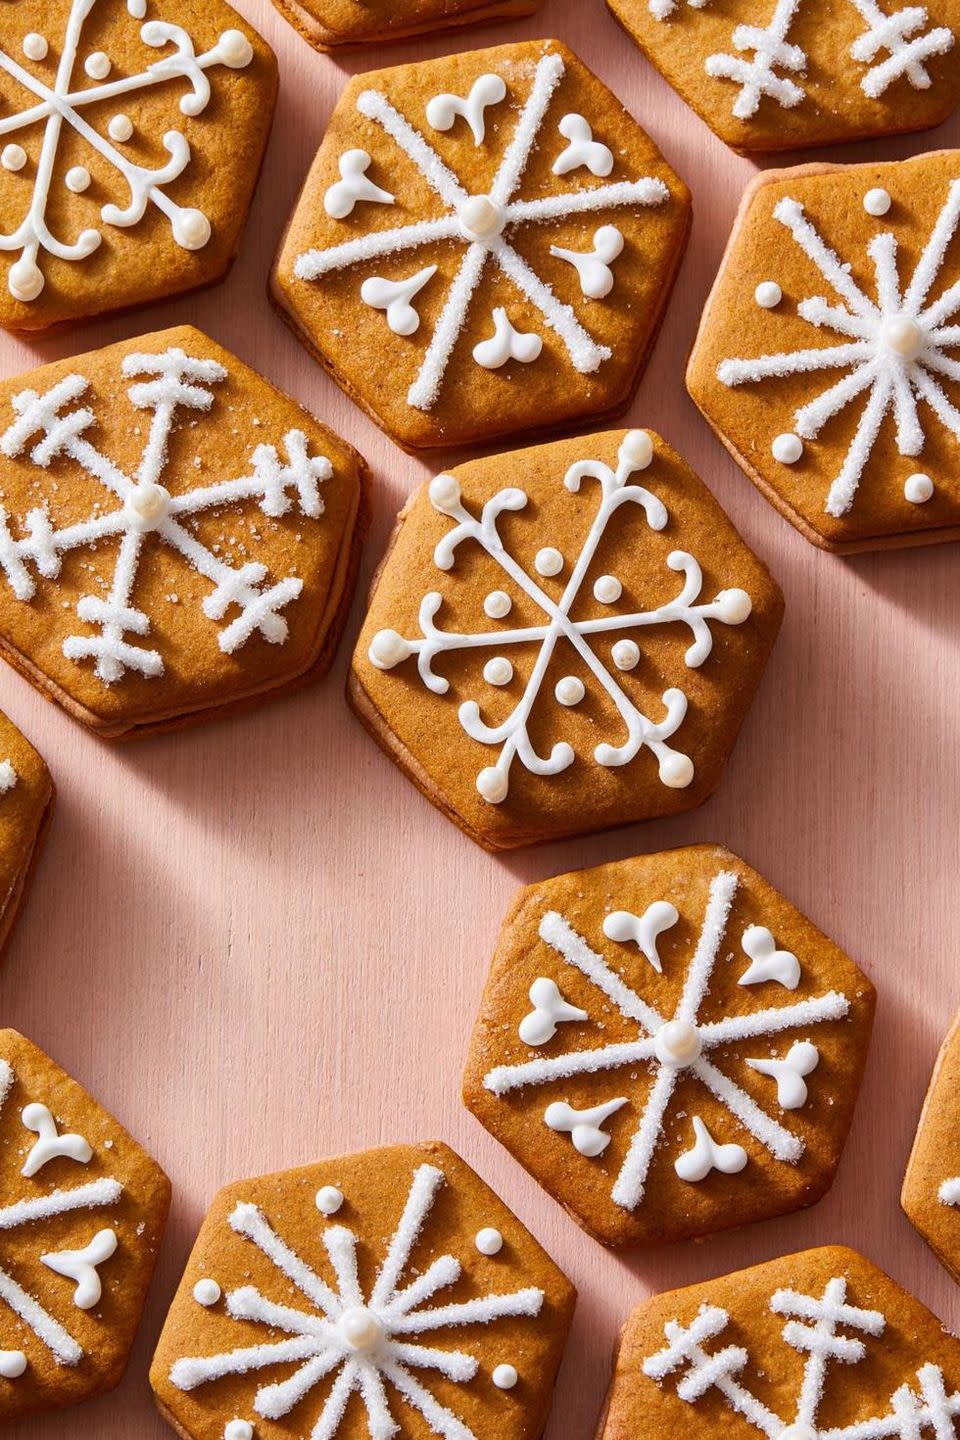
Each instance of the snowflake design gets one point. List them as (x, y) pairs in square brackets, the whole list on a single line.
[(670, 1046), (58, 104), (893, 348), (813, 1328), (367, 1343), (949, 1192), (730, 607), (482, 224), (763, 51), (146, 508), (17, 1215)]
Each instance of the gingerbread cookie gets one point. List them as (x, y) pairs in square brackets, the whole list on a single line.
[(564, 638), (484, 245), (820, 1344), (378, 1294), (668, 1046), (786, 74), (26, 799), (931, 1185), (335, 24), (82, 1217), (109, 112), (828, 357), (177, 536)]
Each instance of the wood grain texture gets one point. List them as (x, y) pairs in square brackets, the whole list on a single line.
[(258, 945)]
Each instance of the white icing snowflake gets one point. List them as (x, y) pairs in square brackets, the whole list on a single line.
[(730, 607), (949, 1192), (145, 509), (814, 1327), (893, 348), (672, 1047), (892, 46), (483, 224), (369, 1343), (62, 102), (8, 776), (37, 1205)]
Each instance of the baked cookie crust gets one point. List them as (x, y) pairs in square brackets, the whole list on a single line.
[(344, 24), (931, 1187)]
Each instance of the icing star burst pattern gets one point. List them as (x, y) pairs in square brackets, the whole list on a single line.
[(892, 348), (368, 1343), (817, 1327), (483, 224), (60, 103), (671, 1047), (730, 607), (49, 426)]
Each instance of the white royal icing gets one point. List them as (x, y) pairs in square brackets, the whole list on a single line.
[(585, 1127), (505, 1377), (892, 349), (705, 1155), (949, 1192), (394, 296), (582, 151), (120, 127), (444, 110), (498, 670), (71, 103), (489, 1241), (329, 1200), (238, 1430), (8, 776), (877, 202), (550, 1010), (768, 294), (766, 961), (569, 690), (13, 1364), (607, 589), (50, 1144), (497, 605), (918, 489), (789, 1073), (82, 1267), (682, 1045), (729, 607), (336, 1334), (166, 386), (353, 186), (483, 224), (593, 266), (644, 930), (13, 157), (207, 1292), (506, 343)]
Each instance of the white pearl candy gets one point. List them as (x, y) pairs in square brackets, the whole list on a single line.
[(637, 449), (548, 561), (497, 605), (918, 488), (387, 649), (360, 1328), (329, 1199), (13, 1364), (626, 654), (14, 157), (787, 448), (677, 1043), (97, 65), (570, 690), (481, 218), (120, 127), (238, 1430), (207, 1292), (191, 229), (35, 46), (498, 671), (489, 1241), (877, 202), (903, 336), (607, 589), (493, 785), (505, 1377), (77, 179), (768, 294)]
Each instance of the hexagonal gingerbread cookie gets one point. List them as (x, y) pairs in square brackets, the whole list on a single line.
[(177, 538), (132, 137), (828, 356), (564, 638), (484, 245), (338, 24), (786, 74), (669, 1047), (26, 799), (931, 1185), (83, 1213), (388, 1292), (812, 1345)]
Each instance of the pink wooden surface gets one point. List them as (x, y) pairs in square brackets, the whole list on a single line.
[(258, 945)]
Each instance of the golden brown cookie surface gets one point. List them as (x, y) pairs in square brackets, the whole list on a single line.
[(931, 1186), (81, 1220), (822, 1343), (132, 135), (178, 535), (484, 245), (564, 638), (332, 24), (828, 356), (387, 1292), (787, 74), (26, 798), (669, 1046)]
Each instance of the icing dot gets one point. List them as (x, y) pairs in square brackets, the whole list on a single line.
[(120, 127), (77, 179), (444, 492), (505, 1377), (918, 489), (787, 448), (481, 218), (25, 280), (637, 448), (626, 654), (14, 157), (13, 1363), (548, 561), (137, 8), (97, 65), (387, 649), (903, 336), (798, 1432), (329, 1199), (493, 785), (191, 229), (35, 46), (676, 771), (607, 589), (360, 1328), (877, 202), (489, 1241), (498, 671), (733, 606), (235, 49), (570, 690), (238, 1430), (677, 1043), (207, 1292), (498, 604), (768, 294)]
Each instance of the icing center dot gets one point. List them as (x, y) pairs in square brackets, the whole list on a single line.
[(147, 504), (798, 1432), (678, 1043), (481, 218), (903, 336), (360, 1328)]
